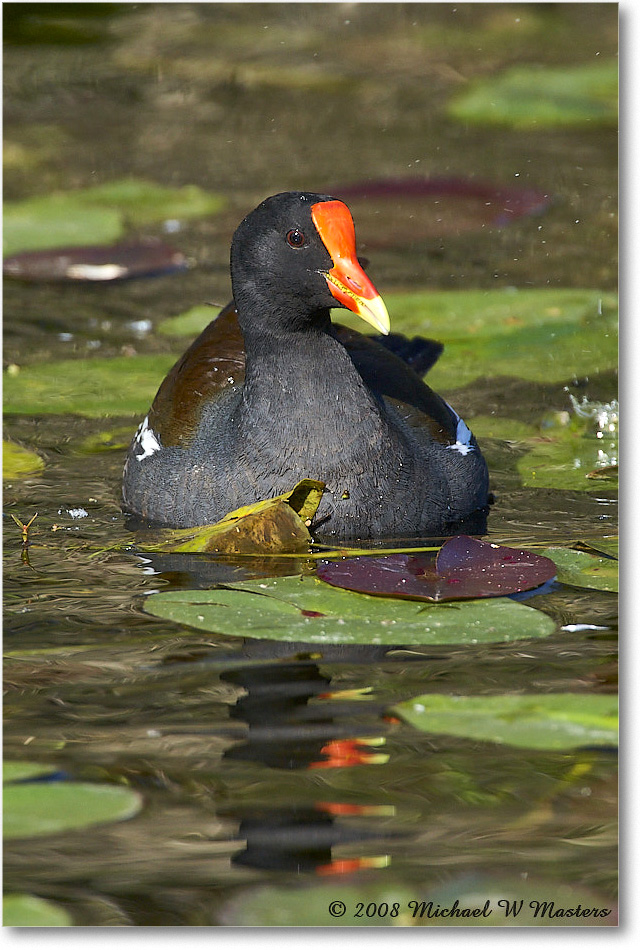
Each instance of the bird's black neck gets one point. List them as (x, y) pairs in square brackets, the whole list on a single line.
[(305, 382)]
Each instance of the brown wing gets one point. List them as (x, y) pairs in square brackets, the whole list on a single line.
[(213, 363)]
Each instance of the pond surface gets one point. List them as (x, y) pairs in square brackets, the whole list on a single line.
[(265, 767)]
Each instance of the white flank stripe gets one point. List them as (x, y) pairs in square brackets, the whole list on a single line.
[(146, 439), (464, 436)]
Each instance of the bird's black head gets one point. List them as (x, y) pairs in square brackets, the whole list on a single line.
[(293, 258)]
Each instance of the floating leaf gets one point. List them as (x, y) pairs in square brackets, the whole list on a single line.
[(17, 461), (499, 427), (123, 385), (144, 258), (144, 202), (304, 609), (465, 568), (547, 721), (190, 323), (98, 215), (46, 809), (530, 97), (18, 771), (610, 546), (397, 211), (571, 450), (25, 910), (55, 221), (275, 525), (566, 462), (540, 335), (109, 440), (565, 451), (584, 570)]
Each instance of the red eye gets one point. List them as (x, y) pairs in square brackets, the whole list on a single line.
[(295, 238)]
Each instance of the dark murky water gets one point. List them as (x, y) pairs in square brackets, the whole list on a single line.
[(238, 761)]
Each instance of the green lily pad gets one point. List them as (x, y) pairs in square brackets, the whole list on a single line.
[(610, 546), (110, 440), (304, 609), (17, 771), (49, 808), (119, 386), (566, 463), (528, 97), (17, 461), (57, 221), (98, 215), (547, 721), (190, 323), (574, 451), (144, 202), (584, 570), (25, 910), (499, 427), (540, 335)]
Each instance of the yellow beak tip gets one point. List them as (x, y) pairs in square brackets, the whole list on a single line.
[(375, 313)]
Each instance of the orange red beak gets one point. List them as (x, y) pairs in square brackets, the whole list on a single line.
[(347, 280)]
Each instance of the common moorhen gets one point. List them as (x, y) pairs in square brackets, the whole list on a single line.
[(272, 392)]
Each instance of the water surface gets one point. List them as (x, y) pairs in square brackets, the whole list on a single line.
[(259, 773)]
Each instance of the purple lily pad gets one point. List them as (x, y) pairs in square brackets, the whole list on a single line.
[(464, 569), (144, 258), (397, 211)]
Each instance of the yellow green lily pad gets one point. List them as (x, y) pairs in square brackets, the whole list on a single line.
[(19, 771), (276, 525), (500, 427), (109, 440), (26, 910), (190, 323), (541, 335), (99, 215), (304, 609), (575, 450), (531, 97), (584, 570), (57, 221), (144, 202), (546, 721), (94, 387), (46, 808), (18, 461)]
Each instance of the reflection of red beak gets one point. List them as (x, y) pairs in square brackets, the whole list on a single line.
[(342, 753), (347, 280), (350, 865)]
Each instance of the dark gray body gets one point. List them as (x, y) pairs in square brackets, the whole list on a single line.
[(385, 476)]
